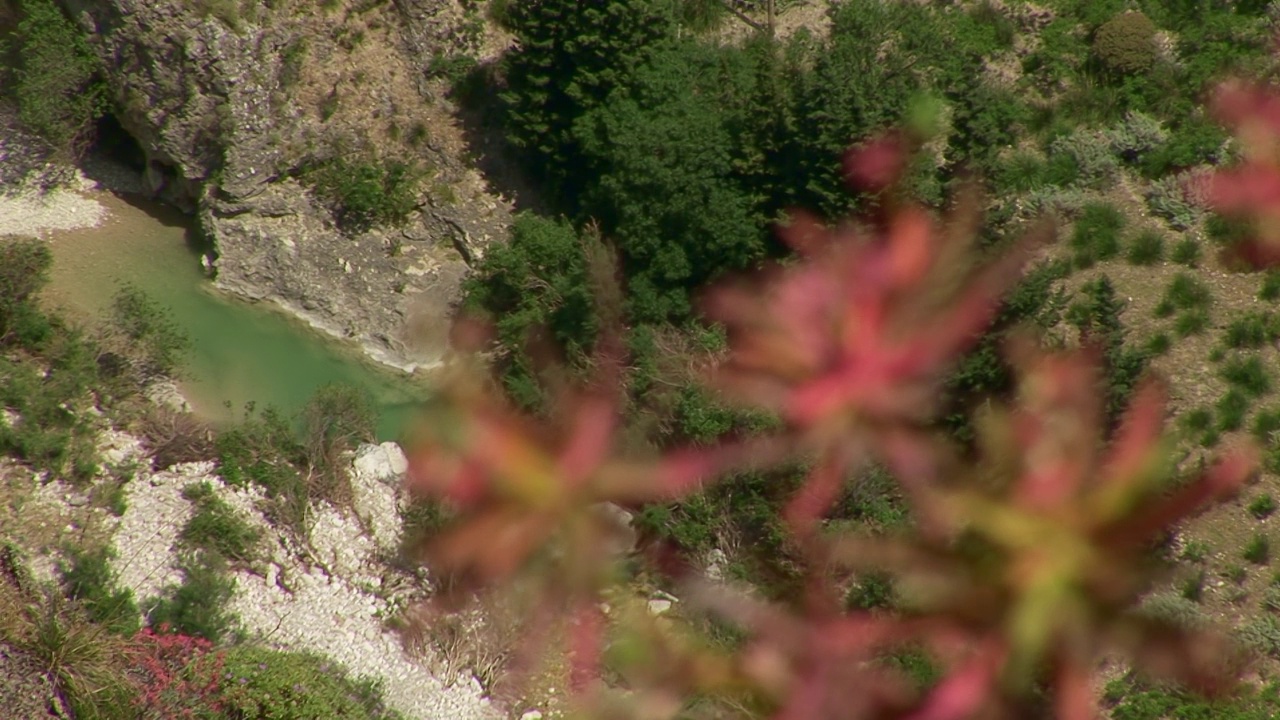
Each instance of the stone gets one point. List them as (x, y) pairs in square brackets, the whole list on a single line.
[(385, 463), (531, 715), (660, 606)]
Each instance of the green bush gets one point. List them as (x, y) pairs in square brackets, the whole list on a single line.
[(1270, 289), (367, 194), (873, 591), (264, 684), (90, 580), (1258, 550), (1136, 136), (1194, 142), (24, 270), (216, 527), (198, 606), (1125, 44), (56, 433), (1248, 374), (1231, 409), (1262, 506), (1191, 322), (1158, 344), (1195, 551), (1167, 198), (1096, 235), (1146, 248), (1193, 587), (1252, 330), (1090, 153), (1186, 252), (1265, 424), (1174, 610), (264, 450), (1022, 171), (1185, 292), (58, 85)]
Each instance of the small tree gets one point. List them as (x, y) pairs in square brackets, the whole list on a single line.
[(1125, 44)]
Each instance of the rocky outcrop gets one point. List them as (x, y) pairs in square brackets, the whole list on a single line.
[(233, 101), (330, 592)]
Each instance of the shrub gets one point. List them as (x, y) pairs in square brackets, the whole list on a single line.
[(1248, 374), (873, 591), (1236, 574), (1266, 424), (1173, 609), (1194, 142), (216, 527), (1096, 235), (1136, 136), (367, 194), (1197, 419), (1022, 171), (24, 270), (1191, 322), (1186, 252), (1258, 550), (90, 580), (1252, 330), (265, 683), (1146, 248), (1167, 198), (1262, 506), (58, 84), (197, 607), (1193, 587), (1261, 635), (1270, 289), (1185, 292), (1125, 44), (263, 449), (1158, 344), (1195, 551), (1091, 154), (1231, 409)]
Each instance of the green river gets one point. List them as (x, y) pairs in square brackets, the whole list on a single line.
[(241, 352)]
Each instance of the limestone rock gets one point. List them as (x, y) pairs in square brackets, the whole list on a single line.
[(230, 109)]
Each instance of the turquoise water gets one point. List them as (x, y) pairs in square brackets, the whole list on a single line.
[(241, 352)]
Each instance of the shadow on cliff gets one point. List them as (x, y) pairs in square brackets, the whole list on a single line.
[(476, 94)]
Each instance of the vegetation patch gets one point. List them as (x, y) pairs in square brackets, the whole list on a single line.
[(367, 194)]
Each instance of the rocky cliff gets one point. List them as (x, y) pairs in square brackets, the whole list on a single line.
[(233, 100)]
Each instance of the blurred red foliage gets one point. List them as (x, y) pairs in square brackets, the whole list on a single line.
[(1022, 568)]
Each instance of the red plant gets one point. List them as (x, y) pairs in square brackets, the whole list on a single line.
[(1021, 571), (177, 675), (1251, 190)]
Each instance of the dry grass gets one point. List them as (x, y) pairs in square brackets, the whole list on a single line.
[(80, 659)]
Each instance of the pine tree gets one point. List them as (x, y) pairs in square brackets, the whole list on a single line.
[(570, 56)]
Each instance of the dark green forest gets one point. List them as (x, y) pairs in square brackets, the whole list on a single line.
[(680, 152)]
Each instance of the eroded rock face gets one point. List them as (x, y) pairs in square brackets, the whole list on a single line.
[(232, 104)]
